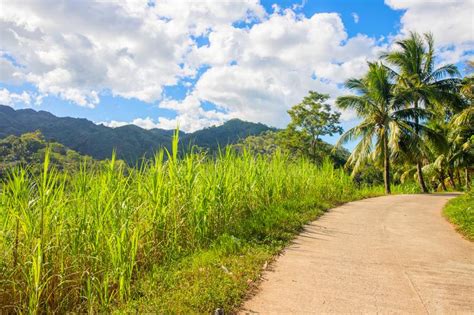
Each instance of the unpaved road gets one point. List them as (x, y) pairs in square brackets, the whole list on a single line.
[(392, 254)]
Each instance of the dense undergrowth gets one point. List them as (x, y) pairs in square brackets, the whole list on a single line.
[(176, 235), (460, 211)]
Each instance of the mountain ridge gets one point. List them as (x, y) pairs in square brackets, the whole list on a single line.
[(130, 141)]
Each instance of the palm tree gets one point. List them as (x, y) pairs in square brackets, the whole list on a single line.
[(384, 119), (424, 86), (441, 153), (462, 129)]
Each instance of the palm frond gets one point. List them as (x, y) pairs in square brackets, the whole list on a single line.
[(448, 70)]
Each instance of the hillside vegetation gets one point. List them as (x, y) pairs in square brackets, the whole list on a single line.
[(28, 150), (130, 142)]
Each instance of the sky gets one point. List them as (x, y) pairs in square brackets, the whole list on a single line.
[(199, 63)]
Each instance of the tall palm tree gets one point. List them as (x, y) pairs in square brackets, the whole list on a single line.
[(424, 86), (384, 119)]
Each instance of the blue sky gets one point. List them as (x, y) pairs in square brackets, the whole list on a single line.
[(155, 64), (376, 19)]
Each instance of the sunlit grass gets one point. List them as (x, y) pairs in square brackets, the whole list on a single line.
[(88, 241), (460, 211)]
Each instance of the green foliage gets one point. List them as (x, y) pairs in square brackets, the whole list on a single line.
[(88, 241), (28, 150), (409, 187), (460, 211), (271, 142), (385, 120), (267, 143), (232, 131), (370, 174), (310, 120), (422, 85), (416, 119)]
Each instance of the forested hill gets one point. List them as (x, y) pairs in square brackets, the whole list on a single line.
[(130, 142), (29, 150)]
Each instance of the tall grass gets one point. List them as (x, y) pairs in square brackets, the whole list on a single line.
[(78, 242)]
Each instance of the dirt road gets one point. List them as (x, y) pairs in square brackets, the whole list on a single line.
[(392, 254)]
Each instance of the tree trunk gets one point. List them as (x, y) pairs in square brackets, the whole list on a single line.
[(421, 180), (313, 150), (451, 179), (386, 165), (441, 180), (458, 175), (468, 180)]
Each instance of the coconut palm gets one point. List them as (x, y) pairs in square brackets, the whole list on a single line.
[(441, 155), (461, 126), (384, 120), (462, 140), (424, 86)]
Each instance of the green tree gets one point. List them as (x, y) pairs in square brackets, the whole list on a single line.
[(267, 142), (310, 120), (384, 120), (457, 127), (423, 86), (462, 129), (28, 150)]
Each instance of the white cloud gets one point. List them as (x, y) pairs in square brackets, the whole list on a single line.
[(77, 50), (450, 21), (9, 73), (13, 99), (190, 115), (258, 73), (145, 123), (355, 16), (114, 123), (187, 123)]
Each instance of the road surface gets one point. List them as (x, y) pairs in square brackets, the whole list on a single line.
[(391, 254)]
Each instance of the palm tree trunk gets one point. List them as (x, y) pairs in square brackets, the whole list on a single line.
[(468, 180), (458, 175), (451, 179), (441, 181), (386, 165), (421, 180)]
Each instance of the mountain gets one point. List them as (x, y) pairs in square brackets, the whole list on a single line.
[(230, 132), (130, 142)]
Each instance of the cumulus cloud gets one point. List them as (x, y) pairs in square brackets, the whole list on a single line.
[(190, 122), (13, 99), (9, 73), (190, 115), (114, 123), (450, 21), (77, 50), (145, 123), (258, 73)]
